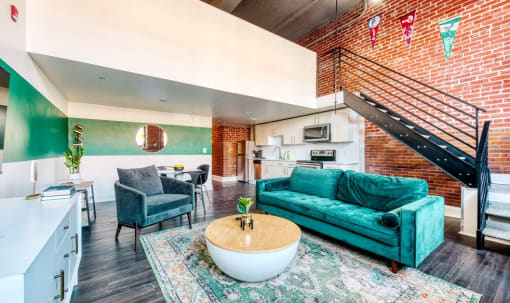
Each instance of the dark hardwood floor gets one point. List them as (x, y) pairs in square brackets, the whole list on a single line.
[(111, 271)]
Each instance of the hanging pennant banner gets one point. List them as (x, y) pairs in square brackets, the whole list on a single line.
[(407, 23), (373, 27), (448, 30)]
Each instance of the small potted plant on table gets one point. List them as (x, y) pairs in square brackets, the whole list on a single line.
[(244, 208)]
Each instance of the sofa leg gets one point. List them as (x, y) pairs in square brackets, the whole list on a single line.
[(118, 231), (189, 219), (137, 236), (395, 267)]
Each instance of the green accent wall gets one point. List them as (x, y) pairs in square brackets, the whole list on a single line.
[(35, 128), (104, 137)]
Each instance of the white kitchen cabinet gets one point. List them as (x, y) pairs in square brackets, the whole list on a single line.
[(292, 129), (277, 169), (41, 249), (262, 133), (340, 131)]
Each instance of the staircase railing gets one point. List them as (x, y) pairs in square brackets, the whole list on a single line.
[(483, 177), (452, 118)]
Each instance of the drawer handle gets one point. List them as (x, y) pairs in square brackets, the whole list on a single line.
[(66, 227), (75, 243), (62, 289)]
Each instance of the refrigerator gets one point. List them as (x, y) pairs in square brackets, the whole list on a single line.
[(244, 149)]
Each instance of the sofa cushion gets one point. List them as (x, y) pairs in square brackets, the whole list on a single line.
[(145, 179), (355, 218), (390, 219), (161, 203), (380, 192), (317, 182)]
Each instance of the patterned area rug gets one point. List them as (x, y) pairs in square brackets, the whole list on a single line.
[(323, 271)]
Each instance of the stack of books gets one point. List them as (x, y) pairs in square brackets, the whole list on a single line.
[(58, 192)]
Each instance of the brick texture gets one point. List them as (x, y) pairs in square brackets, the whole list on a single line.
[(478, 71), (224, 148)]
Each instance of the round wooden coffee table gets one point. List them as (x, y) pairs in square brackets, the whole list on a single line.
[(252, 255)]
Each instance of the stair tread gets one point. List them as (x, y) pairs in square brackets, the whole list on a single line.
[(500, 209), (500, 188), (499, 230)]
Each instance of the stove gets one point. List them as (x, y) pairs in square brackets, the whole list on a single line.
[(317, 157)]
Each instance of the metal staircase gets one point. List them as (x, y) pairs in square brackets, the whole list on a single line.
[(440, 127)]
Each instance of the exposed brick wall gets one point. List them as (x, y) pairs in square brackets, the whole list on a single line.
[(478, 71), (224, 148)]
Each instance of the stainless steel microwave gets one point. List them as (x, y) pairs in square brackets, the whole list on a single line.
[(317, 133)]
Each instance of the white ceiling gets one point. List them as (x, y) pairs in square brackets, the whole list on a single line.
[(80, 82)]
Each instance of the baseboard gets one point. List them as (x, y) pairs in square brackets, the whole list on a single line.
[(452, 211), (225, 179), (495, 240)]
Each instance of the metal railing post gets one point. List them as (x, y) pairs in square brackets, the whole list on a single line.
[(476, 129)]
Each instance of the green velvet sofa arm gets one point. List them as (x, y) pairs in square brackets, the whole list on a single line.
[(421, 229), (131, 205), (272, 184)]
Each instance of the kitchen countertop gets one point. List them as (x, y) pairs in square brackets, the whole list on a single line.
[(325, 162), (271, 160)]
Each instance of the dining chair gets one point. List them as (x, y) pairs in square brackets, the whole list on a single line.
[(205, 168), (196, 180)]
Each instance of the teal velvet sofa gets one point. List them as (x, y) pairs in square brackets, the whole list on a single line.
[(390, 216)]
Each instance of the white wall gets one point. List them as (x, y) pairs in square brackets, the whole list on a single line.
[(185, 41), (15, 179), (103, 169), (13, 52)]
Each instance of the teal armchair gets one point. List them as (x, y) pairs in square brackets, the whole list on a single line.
[(143, 198)]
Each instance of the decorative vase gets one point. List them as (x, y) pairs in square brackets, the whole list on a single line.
[(75, 178), (246, 219)]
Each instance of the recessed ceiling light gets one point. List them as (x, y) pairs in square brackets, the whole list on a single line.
[(253, 118), (248, 113)]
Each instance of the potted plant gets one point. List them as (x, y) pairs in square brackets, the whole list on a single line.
[(244, 208), (73, 159)]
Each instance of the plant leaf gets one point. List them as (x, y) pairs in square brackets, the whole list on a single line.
[(241, 208)]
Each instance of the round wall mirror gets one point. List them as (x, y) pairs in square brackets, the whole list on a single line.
[(151, 138)]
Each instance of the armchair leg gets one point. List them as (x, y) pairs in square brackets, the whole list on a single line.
[(395, 267), (189, 219), (118, 231), (137, 236)]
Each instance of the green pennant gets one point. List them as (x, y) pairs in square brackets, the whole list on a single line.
[(448, 30)]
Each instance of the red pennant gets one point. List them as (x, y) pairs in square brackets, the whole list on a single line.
[(407, 22), (373, 27), (14, 13)]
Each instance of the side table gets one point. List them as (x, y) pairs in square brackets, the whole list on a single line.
[(83, 187)]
